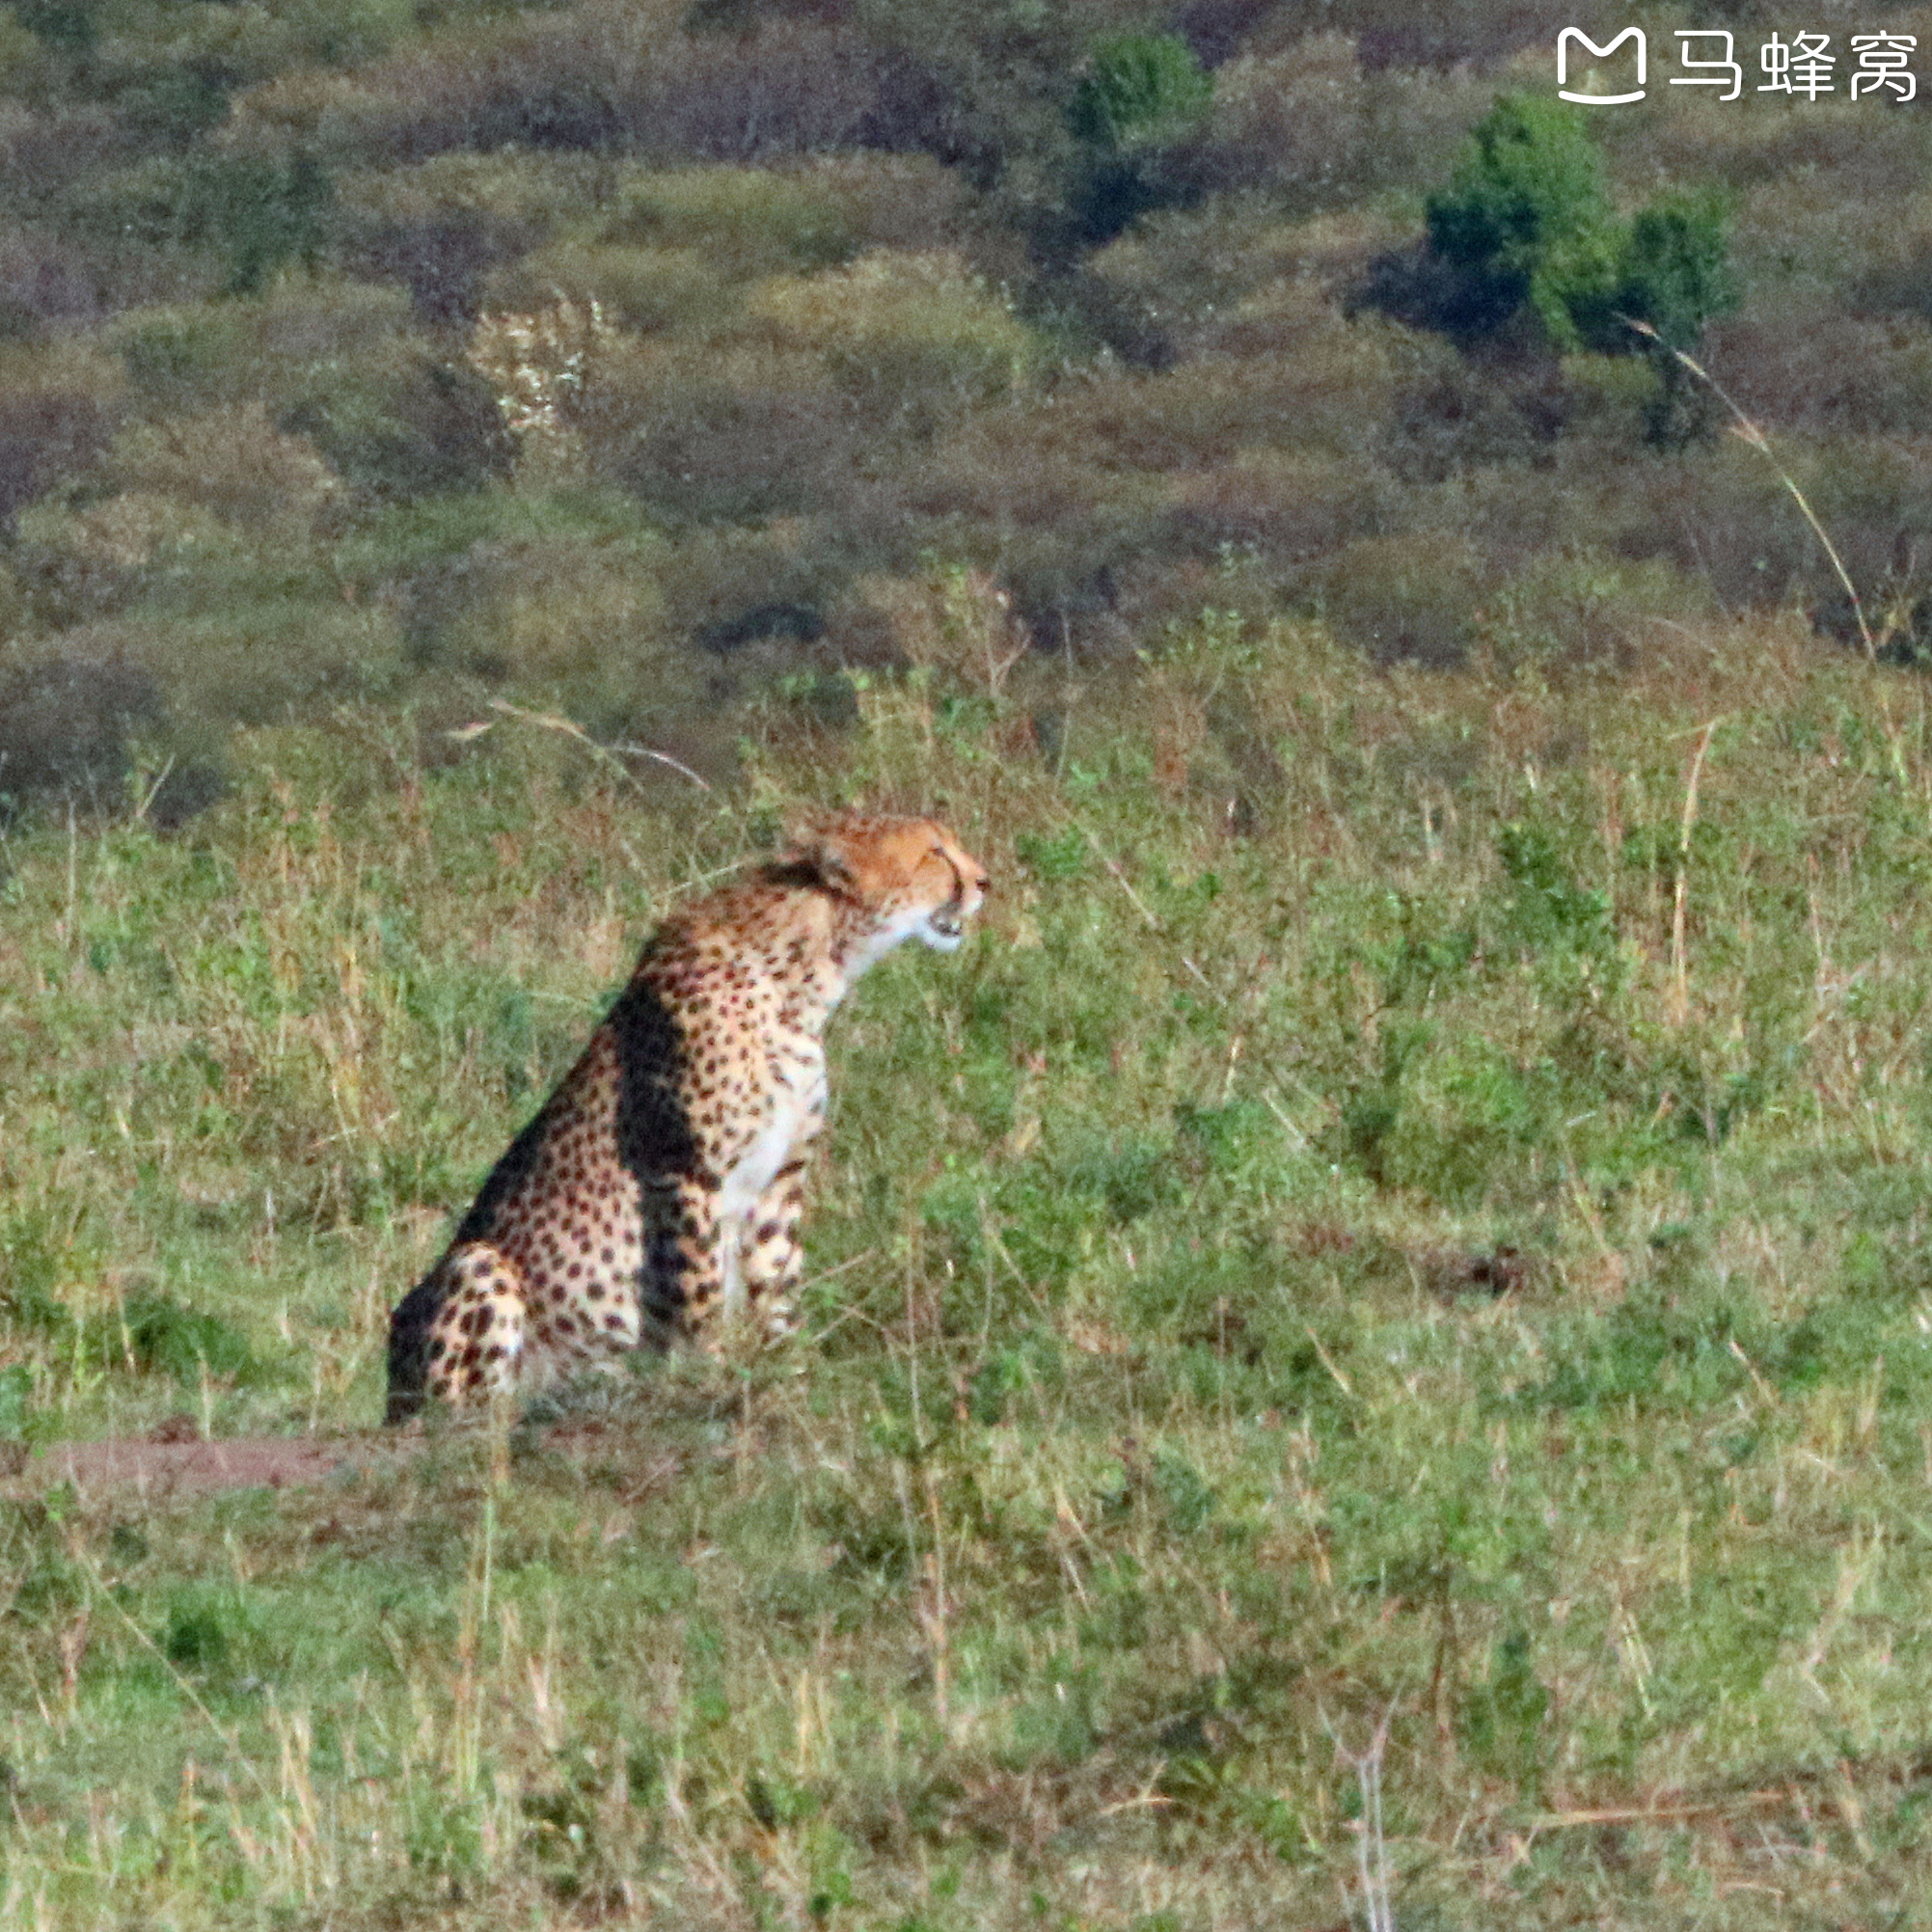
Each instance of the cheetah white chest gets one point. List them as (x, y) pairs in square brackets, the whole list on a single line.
[(796, 1107)]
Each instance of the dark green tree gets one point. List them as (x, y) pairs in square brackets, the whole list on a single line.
[(1527, 218), (1141, 98), (1527, 221), (1675, 270)]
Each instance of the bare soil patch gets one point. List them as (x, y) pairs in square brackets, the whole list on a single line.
[(175, 1461)]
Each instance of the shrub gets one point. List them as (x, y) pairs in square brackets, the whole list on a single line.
[(44, 154), (539, 368), (1724, 516), (65, 720), (443, 259), (1802, 364), (169, 103), (916, 337), (1293, 122), (521, 188), (119, 537), (252, 214), (645, 289), (1674, 272), (1140, 92), (747, 222), (911, 202), (198, 356), (43, 281), (1526, 219), (1450, 416), (60, 23), (232, 462), (579, 625), (720, 435), (1313, 383), (1141, 98), (601, 76), (333, 363), (1405, 599), (409, 425), (730, 591), (1287, 506), (1582, 607), (957, 623), (58, 409), (1312, 123), (227, 647)]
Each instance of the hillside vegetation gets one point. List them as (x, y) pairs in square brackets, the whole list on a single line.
[(1368, 1337)]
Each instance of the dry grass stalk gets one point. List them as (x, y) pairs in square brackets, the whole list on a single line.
[(1749, 431), (1680, 990)]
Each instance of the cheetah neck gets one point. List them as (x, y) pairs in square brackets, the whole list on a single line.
[(862, 937)]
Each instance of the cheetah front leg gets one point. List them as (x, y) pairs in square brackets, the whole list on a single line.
[(770, 1258)]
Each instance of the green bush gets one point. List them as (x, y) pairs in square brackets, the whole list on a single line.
[(65, 720), (747, 222), (190, 356), (1527, 218), (408, 426), (252, 214), (1141, 92), (59, 24)]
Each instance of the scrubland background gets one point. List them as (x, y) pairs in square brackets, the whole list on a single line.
[(1370, 1338)]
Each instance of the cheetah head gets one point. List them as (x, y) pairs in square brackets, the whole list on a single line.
[(910, 875)]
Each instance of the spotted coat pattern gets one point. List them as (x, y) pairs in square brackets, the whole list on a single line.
[(663, 1181)]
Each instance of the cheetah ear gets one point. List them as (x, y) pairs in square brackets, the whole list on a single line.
[(820, 851)]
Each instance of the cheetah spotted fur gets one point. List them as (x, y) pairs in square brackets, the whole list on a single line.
[(662, 1182)]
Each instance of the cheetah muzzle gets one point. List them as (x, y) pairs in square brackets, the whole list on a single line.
[(663, 1182)]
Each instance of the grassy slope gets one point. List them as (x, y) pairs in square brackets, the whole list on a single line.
[(1163, 1433)]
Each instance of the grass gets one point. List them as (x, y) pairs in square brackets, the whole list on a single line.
[(1367, 1335), (1392, 1280)]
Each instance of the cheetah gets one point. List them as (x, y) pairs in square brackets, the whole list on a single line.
[(662, 1182)]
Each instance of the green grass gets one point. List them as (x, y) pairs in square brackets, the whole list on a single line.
[(1351, 1242)]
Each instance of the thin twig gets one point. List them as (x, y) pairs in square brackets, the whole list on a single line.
[(1642, 1815), (548, 720), (146, 805), (1371, 1845), (663, 758)]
